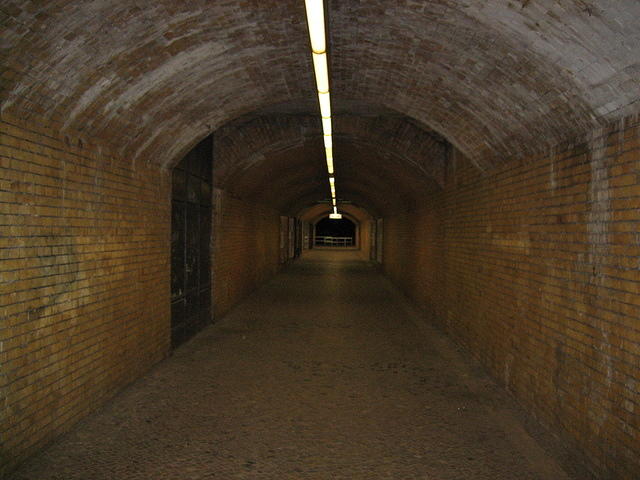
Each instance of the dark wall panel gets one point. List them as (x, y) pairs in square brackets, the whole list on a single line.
[(190, 243)]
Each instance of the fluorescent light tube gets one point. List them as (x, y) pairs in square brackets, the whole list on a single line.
[(315, 22), (329, 161), (330, 166), (325, 104), (328, 152), (322, 73), (328, 142), (326, 126)]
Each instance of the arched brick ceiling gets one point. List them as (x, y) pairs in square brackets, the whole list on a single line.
[(292, 179), (497, 79), (316, 212), (382, 163), (241, 144)]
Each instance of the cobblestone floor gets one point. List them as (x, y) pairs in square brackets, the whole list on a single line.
[(321, 374)]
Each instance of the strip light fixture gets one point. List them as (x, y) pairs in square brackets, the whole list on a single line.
[(316, 24)]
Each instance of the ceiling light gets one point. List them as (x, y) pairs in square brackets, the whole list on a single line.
[(322, 74), (317, 37), (315, 21), (329, 155), (330, 165), (328, 152), (325, 104), (335, 216), (326, 126)]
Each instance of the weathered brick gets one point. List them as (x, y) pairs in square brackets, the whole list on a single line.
[(245, 253), (63, 305), (540, 288)]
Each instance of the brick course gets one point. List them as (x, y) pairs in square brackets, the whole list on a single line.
[(534, 269), (246, 240), (84, 279)]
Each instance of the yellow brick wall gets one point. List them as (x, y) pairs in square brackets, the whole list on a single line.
[(535, 269), (84, 281), (246, 239)]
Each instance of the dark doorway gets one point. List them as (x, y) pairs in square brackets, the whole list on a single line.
[(190, 243), (335, 232)]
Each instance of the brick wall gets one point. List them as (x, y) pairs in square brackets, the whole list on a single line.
[(413, 254), (246, 239), (364, 243), (535, 269), (84, 279)]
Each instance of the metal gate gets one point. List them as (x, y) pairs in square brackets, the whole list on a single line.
[(190, 243)]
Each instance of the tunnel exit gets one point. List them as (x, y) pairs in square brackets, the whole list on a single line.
[(331, 232)]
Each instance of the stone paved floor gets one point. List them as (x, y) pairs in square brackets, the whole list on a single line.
[(321, 374)]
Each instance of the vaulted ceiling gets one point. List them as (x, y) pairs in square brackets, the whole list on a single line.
[(498, 80), (383, 162)]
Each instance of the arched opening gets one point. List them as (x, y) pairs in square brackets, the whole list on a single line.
[(331, 232)]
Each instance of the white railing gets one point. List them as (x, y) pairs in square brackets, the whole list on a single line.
[(325, 241)]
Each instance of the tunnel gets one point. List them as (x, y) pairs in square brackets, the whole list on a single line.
[(177, 303)]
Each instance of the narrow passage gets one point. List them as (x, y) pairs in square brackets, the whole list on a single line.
[(324, 373)]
